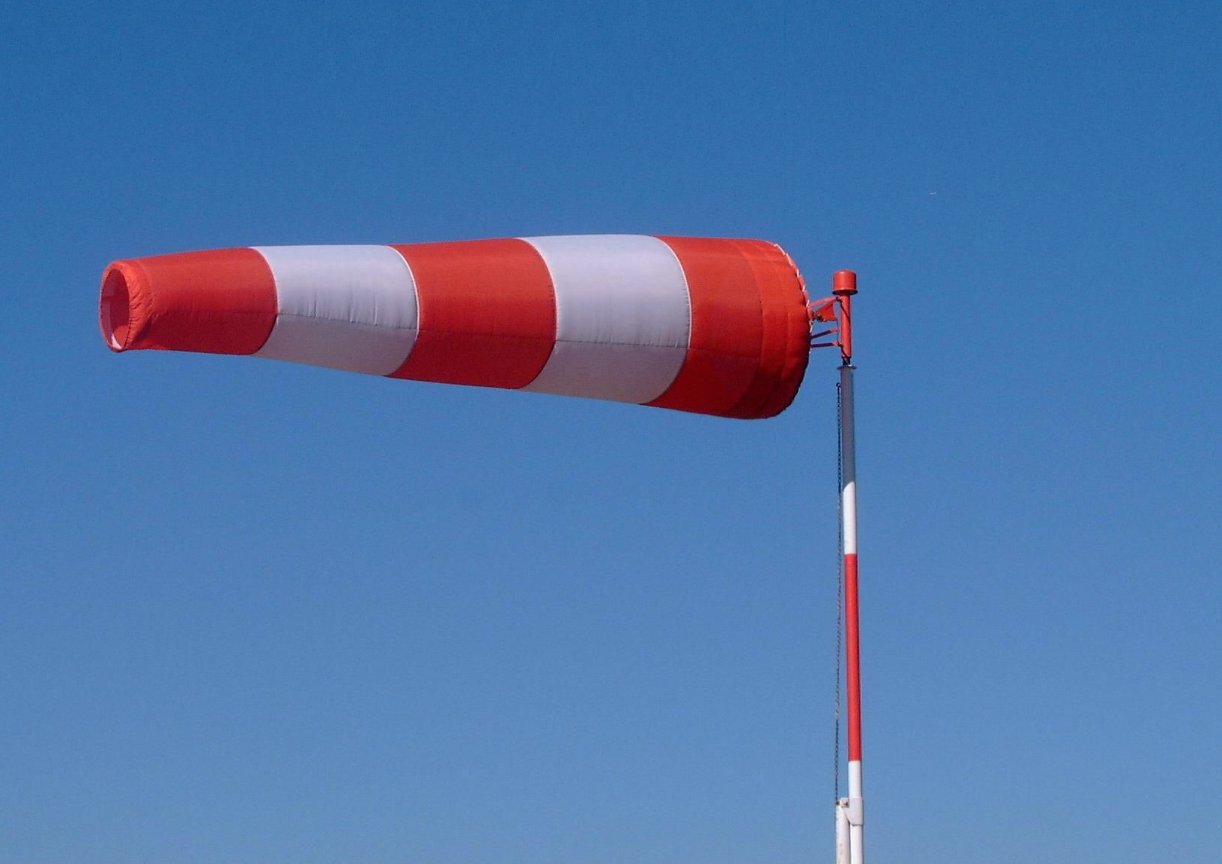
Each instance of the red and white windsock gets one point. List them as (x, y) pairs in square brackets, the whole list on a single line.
[(703, 325)]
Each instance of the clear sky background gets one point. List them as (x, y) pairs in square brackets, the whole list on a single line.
[(252, 612)]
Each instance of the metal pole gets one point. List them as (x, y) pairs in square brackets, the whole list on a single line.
[(852, 638), (844, 286)]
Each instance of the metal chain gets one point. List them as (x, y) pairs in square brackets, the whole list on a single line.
[(839, 582)]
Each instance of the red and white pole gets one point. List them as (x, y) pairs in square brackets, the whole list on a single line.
[(844, 286)]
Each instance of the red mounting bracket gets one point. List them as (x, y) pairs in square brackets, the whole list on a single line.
[(837, 308)]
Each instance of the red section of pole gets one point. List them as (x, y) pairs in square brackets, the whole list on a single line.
[(853, 656)]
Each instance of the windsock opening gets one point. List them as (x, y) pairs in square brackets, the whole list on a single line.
[(115, 310)]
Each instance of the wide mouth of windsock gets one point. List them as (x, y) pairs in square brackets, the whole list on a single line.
[(115, 310)]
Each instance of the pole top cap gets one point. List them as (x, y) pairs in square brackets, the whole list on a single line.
[(844, 282)]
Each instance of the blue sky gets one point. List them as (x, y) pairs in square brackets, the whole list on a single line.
[(257, 612)]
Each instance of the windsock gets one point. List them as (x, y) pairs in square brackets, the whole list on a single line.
[(704, 325)]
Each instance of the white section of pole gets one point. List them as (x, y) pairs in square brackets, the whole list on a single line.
[(854, 815)]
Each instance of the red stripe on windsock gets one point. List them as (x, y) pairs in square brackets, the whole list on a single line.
[(219, 302), (487, 313), (724, 350), (786, 331), (853, 677)]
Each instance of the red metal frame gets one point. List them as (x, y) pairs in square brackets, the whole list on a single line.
[(837, 308)]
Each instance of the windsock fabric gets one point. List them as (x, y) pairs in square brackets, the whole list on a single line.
[(694, 324)]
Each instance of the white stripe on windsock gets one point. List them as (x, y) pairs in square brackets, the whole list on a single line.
[(344, 307), (623, 317)]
